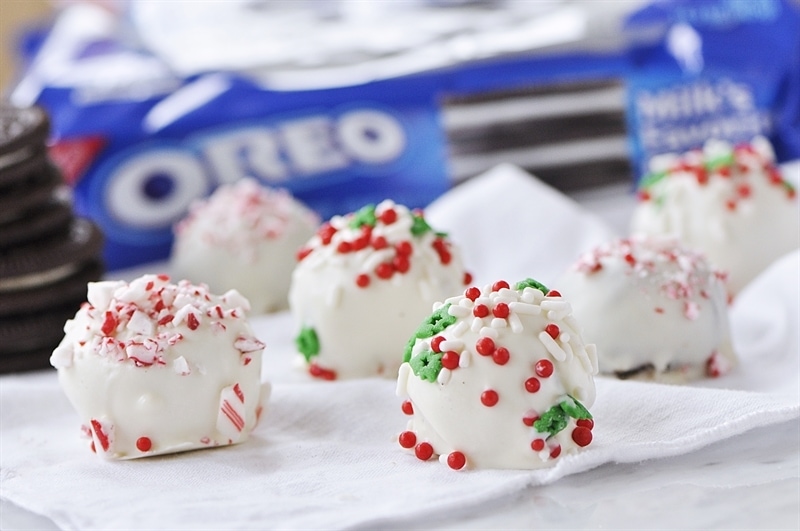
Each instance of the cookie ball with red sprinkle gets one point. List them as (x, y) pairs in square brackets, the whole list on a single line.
[(364, 284), (730, 202), (247, 237), (498, 377), (655, 309), (154, 367)]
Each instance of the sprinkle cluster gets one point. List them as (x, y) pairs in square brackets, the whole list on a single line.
[(433, 356), (137, 322), (677, 273), (386, 237), (239, 216), (738, 165)]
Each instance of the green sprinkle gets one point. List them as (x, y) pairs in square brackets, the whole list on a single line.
[(788, 186), (427, 365), (650, 179), (365, 216), (575, 409), (530, 283), (555, 419), (441, 235), (720, 162), (307, 342), (434, 324), (420, 226)]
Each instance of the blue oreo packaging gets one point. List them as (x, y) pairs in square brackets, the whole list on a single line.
[(722, 69)]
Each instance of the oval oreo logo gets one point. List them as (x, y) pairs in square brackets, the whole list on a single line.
[(141, 193)]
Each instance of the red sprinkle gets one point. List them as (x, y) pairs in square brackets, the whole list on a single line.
[(643, 195), (585, 423), (467, 278), (500, 356), (537, 445), (472, 293), (401, 264), (109, 324), (485, 346), (100, 434), (149, 285), (318, 372), (450, 360), (192, 322), (489, 397), (555, 452), (388, 216), (435, 342), (552, 330), (423, 451), (630, 259), (553, 293), (456, 460), (500, 310), (362, 280), (582, 436), (480, 310), (544, 368), (166, 319), (730, 204), (143, 444), (407, 407), (379, 242), (407, 439), (744, 190), (344, 247), (163, 277), (325, 233), (528, 421), (500, 284), (532, 384), (384, 270), (404, 248), (445, 257)]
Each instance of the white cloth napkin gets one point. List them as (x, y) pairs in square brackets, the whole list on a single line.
[(326, 453)]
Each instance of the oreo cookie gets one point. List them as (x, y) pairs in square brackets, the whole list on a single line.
[(47, 255)]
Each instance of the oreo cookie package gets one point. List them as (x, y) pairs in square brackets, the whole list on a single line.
[(47, 254)]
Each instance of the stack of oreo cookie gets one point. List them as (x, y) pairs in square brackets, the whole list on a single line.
[(47, 255)]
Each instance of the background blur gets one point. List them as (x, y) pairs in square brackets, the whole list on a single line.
[(15, 15)]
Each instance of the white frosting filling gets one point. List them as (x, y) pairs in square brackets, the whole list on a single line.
[(742, 216), (484, 407), (647, 300), (362, 330), (37, 279), (154, 368), (244, 237)]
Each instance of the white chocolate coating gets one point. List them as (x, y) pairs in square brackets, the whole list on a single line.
[(244, 237), (361, 331), (649, 303), (155, 368), (454, 414), (731, 204)]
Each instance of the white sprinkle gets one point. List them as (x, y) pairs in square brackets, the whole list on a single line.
[(477, 324), (464, 359), (591, 351), (181, 366), (402, 380), (436, 305), (62, 357), (515, 323), (140, 323), (451, 344), (420, 346), (454, 300), (334, 296), (556, 305), (557, 316), (564, 337), (486, 301), (552, 347), (460, 328), (443, 459), (458, 311), (376, 258), (489, 332), (466, 303), (444, 376), (525, 308), (499, 323), (527, 296), (566, 346)]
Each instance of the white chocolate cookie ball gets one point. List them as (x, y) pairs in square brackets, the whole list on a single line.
[(153, 367), (655, 310), (243, 237), (498, 377), (730, 203), (362, 286)]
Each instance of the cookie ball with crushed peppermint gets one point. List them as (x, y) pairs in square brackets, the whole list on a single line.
[(730, 202), (243, 237), (655, 310), (153, 367), (498, 377), (362, 285)]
